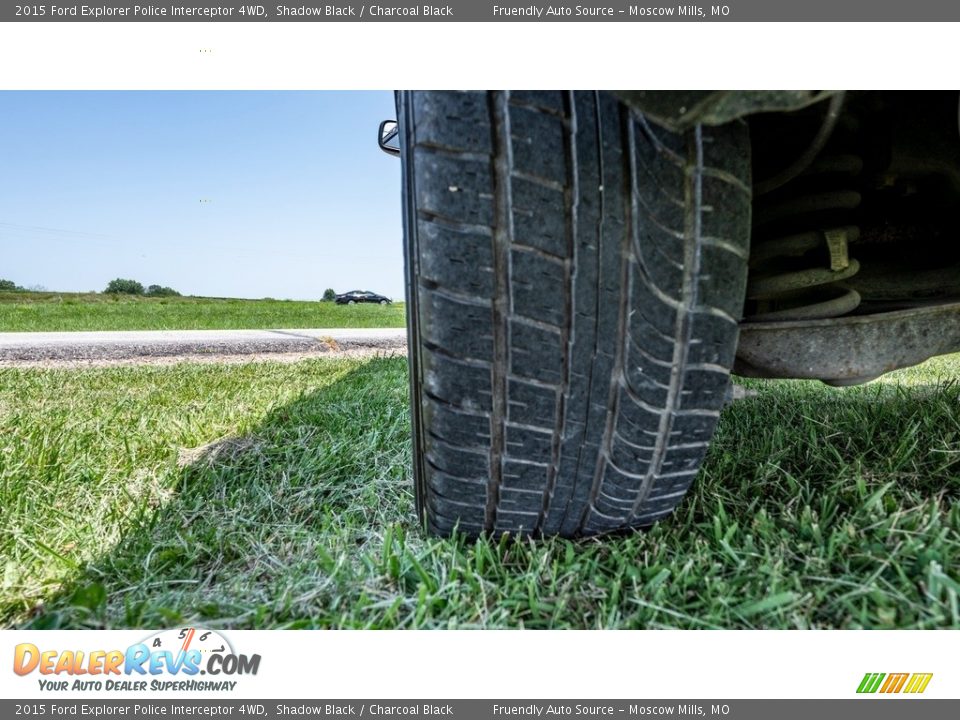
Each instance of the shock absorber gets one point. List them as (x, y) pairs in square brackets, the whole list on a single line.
[(802, 234)]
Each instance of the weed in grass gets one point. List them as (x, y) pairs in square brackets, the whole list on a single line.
[(269, 495)]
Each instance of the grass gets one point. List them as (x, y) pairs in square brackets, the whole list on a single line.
[(269, 495), (34, 311)]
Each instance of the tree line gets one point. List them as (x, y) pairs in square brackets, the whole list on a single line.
[(125, 286), (118, 286)]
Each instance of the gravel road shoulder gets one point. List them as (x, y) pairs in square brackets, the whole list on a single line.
[(280, 346)]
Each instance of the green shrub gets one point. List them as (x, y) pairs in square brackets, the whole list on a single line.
[(125, 287), (161, 291), (329, 295)]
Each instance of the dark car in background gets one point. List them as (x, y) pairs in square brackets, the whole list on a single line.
[(361, 296)]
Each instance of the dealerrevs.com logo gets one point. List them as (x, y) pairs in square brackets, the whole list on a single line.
[(169, 660), (887, 683)]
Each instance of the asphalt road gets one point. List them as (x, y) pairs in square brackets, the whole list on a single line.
[(33, 346)]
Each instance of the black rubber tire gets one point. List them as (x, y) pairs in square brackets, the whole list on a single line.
[(575, 277)]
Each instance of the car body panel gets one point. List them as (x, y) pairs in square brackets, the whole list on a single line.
[(361, 296)]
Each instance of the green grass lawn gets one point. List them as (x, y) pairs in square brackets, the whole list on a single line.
[(268, 495), (31, 311)]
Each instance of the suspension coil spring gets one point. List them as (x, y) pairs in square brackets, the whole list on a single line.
[(800, 256)]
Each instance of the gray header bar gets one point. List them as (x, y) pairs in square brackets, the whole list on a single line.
[(874, 708), (482, 11)]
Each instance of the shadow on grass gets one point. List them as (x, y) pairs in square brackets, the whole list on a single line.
[(815, 508), (256, 525)]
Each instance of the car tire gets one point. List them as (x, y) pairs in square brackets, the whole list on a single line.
[(351, 302), (383, 302), (575, 278)]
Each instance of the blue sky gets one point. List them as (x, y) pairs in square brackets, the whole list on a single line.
[(98, 185)]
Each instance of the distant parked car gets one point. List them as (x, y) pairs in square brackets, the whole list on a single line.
[(361, 296)]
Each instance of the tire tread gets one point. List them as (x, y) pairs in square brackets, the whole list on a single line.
[(582, 273)]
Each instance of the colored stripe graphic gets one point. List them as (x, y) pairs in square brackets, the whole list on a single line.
[(870, 682), (918, 682), (894, 683)]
